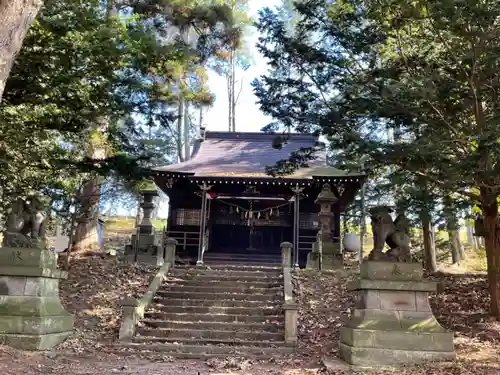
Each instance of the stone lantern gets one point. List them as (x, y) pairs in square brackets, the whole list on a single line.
[(145, 240), (331, 255), (147, 205)]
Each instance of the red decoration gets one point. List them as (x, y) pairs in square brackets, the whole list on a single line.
[(212, 195)]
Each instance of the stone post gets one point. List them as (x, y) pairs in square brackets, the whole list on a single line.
[(291, 313), (392, 322), (160, 256), (331, 254), (286, 254), (170, 246), (31, 314), (129, 319)]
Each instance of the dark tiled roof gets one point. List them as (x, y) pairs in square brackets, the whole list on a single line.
[(247, 155)]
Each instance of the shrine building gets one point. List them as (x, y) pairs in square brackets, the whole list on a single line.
[(222, 201)]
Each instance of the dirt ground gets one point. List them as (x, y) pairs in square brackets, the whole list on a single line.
[(97, 284)]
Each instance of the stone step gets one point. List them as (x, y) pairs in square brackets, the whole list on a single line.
[(221, 296), (228, 264), (211, 342), (223, 283), (255, 311), (207, 351), (203, 317), (225, 278), (237, 266), (211, 303), (207, 334), (244, 256), (277, 327), (236, 288), (223, 273)]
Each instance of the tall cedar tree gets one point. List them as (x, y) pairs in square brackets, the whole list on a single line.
[(430, 69), (16, 16)]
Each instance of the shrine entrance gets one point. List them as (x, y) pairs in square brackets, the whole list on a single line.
[(250, 224), (223, 200)]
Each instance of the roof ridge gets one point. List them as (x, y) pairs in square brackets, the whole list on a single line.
[(258, 135)]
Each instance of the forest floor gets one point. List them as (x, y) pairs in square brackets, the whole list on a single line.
[(97, 283)]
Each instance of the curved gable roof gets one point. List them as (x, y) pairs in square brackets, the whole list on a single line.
[(237, 154)]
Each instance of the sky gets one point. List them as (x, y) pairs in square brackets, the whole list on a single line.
[(248, 116)]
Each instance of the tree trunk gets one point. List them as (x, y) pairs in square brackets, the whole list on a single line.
[(16, 16), (492, 245), (180, 127), (453, 228), (429, 244), (470, 235), (86, 237), (230, 100), (187, 146), (200, 122), (455, 246), (233, 90)]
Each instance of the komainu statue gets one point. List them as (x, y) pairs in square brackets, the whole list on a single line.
[(26, 222), (393, 233)]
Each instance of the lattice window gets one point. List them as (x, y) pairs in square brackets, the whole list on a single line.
[(187, 216), (308, 220)]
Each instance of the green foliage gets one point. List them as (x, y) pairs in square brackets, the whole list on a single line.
[(428, 71), (79, 69)]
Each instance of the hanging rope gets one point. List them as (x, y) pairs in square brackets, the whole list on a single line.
[(251, 211)]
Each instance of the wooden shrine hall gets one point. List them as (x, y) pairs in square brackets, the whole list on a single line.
[(223, 201)]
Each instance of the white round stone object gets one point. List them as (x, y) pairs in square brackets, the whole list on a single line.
[(352, 243)]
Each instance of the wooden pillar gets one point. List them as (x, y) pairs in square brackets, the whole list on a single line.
[(210, 222), (203, 215), (296, 225)]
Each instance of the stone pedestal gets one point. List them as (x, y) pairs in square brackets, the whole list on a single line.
[(286, 254), (313, 257), (393, 323), (31, 314), (332, 258)]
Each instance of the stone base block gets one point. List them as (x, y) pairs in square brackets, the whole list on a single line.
[(332, 262), (32, 316), (391, 271), (376, 357), (36, 325), (313, 261), (34, 342), (392, 323), (397, 340)]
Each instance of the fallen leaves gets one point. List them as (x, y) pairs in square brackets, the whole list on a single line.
[(461, 306), (324, 306), (93, 291)]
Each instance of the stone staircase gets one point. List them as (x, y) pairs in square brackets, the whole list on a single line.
[(216, 310)]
